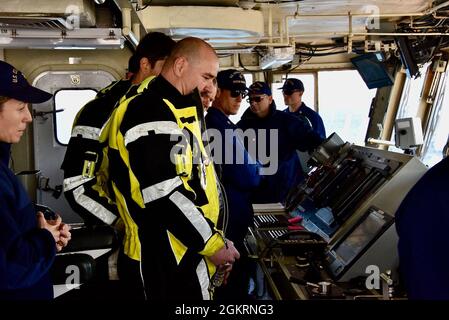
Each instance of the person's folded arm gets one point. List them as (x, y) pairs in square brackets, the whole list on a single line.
[(27, 256)]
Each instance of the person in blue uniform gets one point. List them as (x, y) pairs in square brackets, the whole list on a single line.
[(239, 178), (292, 134), (293, 89), (422, 223), (28, 242)]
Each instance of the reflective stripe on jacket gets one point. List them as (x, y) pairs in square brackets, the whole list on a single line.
[(165, 183), (85, 163), (115, 143)]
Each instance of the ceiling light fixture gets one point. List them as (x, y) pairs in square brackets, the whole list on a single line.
[(247, 4), (84, 38)]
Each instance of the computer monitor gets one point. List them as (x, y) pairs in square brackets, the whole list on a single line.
[(408, 59), (359, 238), (373, 223), (372, 70)]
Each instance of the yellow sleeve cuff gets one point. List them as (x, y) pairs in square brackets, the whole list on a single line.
[(215, 243)]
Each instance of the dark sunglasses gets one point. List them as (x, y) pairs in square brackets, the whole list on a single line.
[(256, 99), (236, 93), (289, 92)]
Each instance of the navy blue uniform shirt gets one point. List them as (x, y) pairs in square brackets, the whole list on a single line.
[(312, 117), (292, 135), (422, 223), (26, 252)]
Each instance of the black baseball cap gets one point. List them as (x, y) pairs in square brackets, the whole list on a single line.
[(231, 79), (14, 85), (260, 87), (293, 84)]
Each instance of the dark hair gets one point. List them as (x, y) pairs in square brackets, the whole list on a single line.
[(3, 99), (154, 46), (133, 64)]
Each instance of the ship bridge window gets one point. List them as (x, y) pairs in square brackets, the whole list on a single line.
[(437, 131), (70, 101), (344, 104), (410, 99), (411, 95)]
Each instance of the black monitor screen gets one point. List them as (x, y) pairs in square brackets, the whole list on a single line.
[(407, 57), (368, 228), (372, 70)]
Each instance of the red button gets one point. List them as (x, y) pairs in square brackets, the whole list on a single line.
[(295, 219)]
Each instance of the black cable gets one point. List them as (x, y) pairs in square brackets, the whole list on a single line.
[(246, 69), (270, 246), (323, 54), (319, 50), (144, 7), (225, 207), (301, 62), (256, 50), (435, 49)]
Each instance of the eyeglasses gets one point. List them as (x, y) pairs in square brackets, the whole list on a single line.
[(256, 98), (236, 93), (289, 92)]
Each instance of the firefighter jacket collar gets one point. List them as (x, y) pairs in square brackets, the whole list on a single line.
[(167, 91)]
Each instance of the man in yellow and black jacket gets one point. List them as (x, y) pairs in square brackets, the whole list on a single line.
[(165, 183)]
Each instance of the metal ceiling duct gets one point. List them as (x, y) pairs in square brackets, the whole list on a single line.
[(42, 14), (220, 26)]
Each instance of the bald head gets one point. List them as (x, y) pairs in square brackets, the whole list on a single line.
[(192, 64), (192, 49)]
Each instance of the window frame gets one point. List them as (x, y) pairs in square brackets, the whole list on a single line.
[(319, 104), (55, 122)]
